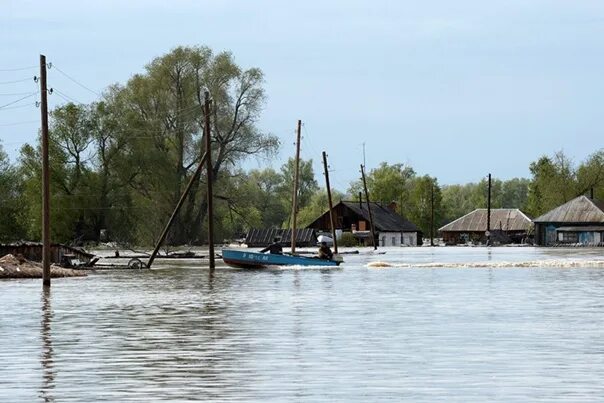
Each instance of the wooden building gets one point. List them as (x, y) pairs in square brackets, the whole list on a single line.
[(507, 226), (577, 222), (259, 238), (59, 254), (391, 229)]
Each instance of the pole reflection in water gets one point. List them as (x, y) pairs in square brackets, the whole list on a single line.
[(46, 358)]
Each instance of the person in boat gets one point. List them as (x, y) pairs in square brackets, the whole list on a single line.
[(275, 248), (325, 252)]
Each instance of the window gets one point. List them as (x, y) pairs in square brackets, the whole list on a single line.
[(568, 237)]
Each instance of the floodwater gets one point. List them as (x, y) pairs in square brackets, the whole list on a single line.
[(413, 324)]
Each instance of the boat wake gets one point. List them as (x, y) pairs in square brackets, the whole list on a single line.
[(552, 263)]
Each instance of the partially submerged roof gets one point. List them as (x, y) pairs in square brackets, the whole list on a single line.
[(384, 219), (579, 210), (501, 219)]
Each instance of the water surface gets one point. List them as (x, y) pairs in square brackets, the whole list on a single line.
[(410, 332)]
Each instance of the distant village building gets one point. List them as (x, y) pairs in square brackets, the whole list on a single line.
[(577, 222), (59, 254), (507, 226), (391, 229)]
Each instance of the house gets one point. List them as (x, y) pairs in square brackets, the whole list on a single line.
[(507, 226), (59, 253), (391, 229), (577, 222)]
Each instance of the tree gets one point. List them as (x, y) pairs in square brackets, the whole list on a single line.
[(11, 212), (307, 186), (420, 211)]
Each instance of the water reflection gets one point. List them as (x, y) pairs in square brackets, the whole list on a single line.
[(47, 356)]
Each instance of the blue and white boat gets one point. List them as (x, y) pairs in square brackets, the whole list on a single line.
[(240, 258)]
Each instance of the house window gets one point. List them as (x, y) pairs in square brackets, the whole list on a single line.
[(393, 241), (569, 237)]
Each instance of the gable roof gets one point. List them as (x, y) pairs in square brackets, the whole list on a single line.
[(384, 219), (506, 219), (579, 210)]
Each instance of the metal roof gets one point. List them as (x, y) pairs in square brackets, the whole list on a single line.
[(501, 219), (384, 219), (579, 210)]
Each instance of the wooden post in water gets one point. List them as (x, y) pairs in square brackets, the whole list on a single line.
[(177, 208), (208, 153), (331, 218), (45, 176), (488, 233), (296, 178), (369, 208)]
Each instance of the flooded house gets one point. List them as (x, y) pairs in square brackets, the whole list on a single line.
[(579, 222), (353, 216), (506, 226)]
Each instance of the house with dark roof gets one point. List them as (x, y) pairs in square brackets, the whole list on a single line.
[(391, 228), (507, 226), (577, 222)]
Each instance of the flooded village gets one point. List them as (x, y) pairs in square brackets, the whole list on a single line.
[(323, 201)]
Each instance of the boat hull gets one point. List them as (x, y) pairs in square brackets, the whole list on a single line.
[(239, 258)]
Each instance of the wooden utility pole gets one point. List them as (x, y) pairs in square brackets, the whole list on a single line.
[(45, 176), (331, 217), (431, 214), (164, 233), (208, 139), (295, 195), (369, 209), (488, 233)]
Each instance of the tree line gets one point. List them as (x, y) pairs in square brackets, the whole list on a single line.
[(120, 164)]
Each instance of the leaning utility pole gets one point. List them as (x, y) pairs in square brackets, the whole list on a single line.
[(331, 217), (45, 177), (208, 139), (369, 209), (296, 178), (488, 233)]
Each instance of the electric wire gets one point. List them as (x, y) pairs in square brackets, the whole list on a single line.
[(18, 100), (16, 81), (19, 68), (53, 66)]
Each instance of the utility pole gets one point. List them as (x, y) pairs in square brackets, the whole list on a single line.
[(296, 177), (488, 233), (45, 177), (431, 214), (208, 140), (369, 209), (331, 213)]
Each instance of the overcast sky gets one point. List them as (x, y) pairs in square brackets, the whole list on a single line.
[(456, 89)]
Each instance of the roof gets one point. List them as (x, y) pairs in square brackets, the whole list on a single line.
[(579, 210), (587, 228), (262, 237), (502, 218), (384, 219), (30, 244)]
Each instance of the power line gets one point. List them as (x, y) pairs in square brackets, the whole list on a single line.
[(73, 79), (19, 68), (36, 104), (19, 123), (16, 81), (13, 94), (18, 100), (66, 97)]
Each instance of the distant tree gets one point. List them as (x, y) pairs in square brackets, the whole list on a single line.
[(420, 211), (318, 205), (11, 212)]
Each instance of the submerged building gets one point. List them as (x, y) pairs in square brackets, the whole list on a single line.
[(507, 226), (577, 222), (390, 227)]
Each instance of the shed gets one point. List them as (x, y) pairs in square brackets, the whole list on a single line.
[(258, 238), (59, 253), (507, 226), (391, 228), (577, 222)]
